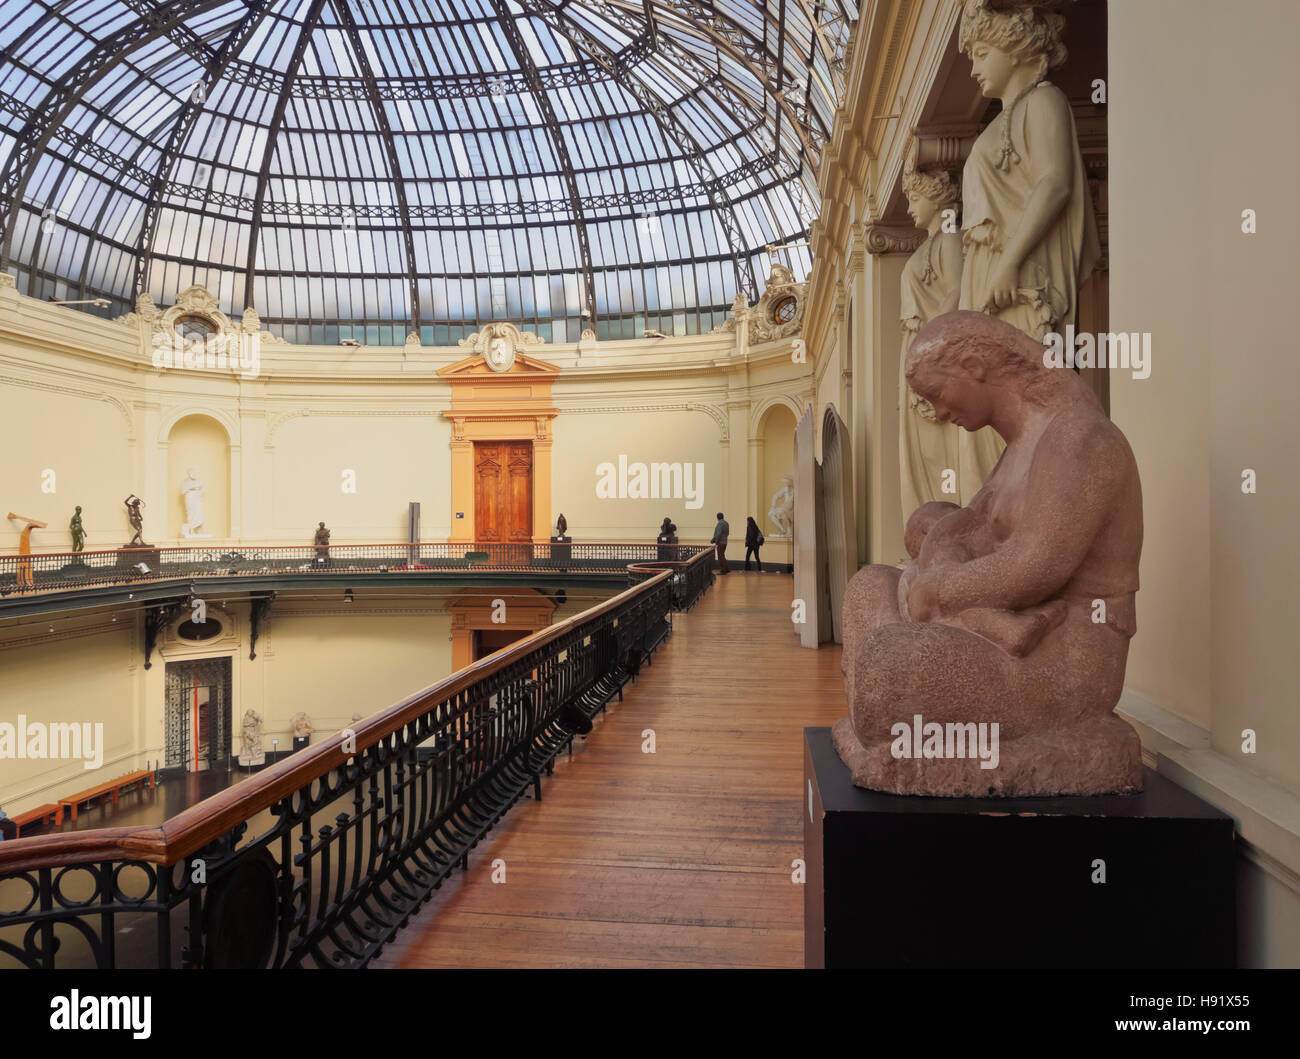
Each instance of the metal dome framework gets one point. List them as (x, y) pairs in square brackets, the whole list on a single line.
[(368, 168)]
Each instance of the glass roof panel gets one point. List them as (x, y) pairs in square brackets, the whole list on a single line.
[(414, 165)]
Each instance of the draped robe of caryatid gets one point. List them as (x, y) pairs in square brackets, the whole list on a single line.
[(1005, 164), (926, 447)]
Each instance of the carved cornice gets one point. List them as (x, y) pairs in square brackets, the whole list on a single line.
[(278, 420), (66, 634), (893, 238), (90, 395), (712, 411)]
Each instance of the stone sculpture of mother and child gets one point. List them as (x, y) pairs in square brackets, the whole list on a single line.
[(1013, 616)]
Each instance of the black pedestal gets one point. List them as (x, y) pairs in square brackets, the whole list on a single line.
[(667, 548), (561, 549), (896, 881), (300, 741)]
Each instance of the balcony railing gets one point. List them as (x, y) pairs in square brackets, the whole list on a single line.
[(23, 575), (351, 837)]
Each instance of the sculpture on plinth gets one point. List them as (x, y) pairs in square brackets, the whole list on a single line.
[(302, 729), (136, 518), (781, 513), (26, 578), (192, 491), (668, 531), (321, 542), (78, 531), (992, 662), (561, 528), (250, 746), (1028, 231)]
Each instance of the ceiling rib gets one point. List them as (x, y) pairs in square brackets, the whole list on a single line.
[(390, 149), (277, 120), (507, 22)]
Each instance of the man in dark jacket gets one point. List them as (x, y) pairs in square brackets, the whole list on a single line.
[(720, 534)]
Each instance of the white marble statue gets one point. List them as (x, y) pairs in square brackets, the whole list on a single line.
[(929, 451), (192, 491), (781, 513), (250, 747), (1028, 231)]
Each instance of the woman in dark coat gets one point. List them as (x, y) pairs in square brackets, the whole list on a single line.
[(753, 541)]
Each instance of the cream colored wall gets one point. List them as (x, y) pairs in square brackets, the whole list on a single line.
[(396, 459), (323, 656), (82, 676), (83, 442), (1217, 610), (583, 441), (334, 661), (272, 449)]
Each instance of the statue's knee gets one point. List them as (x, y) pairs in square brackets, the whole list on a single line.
[(871, 587)]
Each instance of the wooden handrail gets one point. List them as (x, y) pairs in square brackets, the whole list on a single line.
[(200, 824), (307, 545)]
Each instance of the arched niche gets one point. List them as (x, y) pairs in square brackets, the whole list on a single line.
[(775, 458), (199, 442)]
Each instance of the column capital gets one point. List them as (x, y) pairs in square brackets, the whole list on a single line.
[(892, 238)]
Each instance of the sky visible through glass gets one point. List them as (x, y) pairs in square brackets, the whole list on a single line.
[(365, 168)]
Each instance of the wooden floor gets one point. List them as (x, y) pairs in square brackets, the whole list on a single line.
[(673, 859)]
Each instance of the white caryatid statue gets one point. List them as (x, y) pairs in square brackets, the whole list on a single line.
[(781, 513), (1028, 231), (930, 451), (192, 491)]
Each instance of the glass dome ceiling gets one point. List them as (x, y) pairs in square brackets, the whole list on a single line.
[(367, 168)]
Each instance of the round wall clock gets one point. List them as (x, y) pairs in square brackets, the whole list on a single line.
[(785, 308)]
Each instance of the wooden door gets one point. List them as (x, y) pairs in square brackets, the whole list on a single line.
[(503, 491)]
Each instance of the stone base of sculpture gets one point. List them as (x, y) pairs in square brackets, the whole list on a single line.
[(1099, 757), (886, 875), (252, 760)]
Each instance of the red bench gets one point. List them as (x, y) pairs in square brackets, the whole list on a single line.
[(113, 787), (42, 814)]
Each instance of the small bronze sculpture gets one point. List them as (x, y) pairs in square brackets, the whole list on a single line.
[(561, 525), (78, 531), (322, 544), (133, 504), (668, 532)]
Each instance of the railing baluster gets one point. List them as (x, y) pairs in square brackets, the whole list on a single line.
[(493, 727)]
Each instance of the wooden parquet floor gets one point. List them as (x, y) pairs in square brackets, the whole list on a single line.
[(680, 858)]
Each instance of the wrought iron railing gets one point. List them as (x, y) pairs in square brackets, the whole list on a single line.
[(351, 837), (62, 571)]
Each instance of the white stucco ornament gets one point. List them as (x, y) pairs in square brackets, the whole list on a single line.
[(500, 355)]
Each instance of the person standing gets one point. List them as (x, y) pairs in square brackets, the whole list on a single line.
[(720, 534), (753, 541)]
